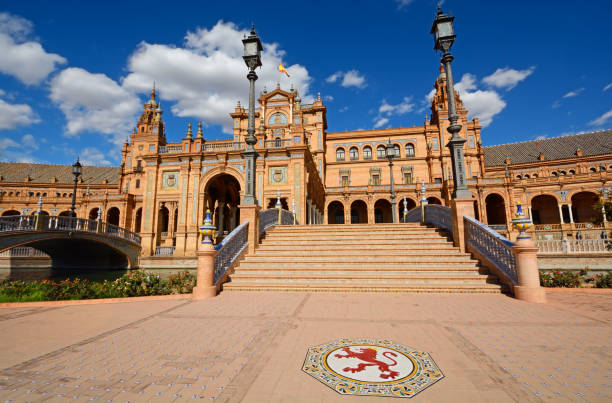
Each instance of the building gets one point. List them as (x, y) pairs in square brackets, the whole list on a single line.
[(162, 189)]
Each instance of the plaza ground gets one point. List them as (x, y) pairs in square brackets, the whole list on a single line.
[(250, 347)]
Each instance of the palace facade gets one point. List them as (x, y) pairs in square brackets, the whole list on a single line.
[(162, 189)]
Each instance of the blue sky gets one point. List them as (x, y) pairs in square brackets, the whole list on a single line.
[(74, 74)]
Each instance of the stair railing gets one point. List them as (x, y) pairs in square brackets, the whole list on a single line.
[(267, 218), (439, 216), (229, 250), (492, 247)]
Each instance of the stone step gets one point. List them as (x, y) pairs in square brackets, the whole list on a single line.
[(331, 227), (440, 247), (365, 237), (356, 265), (409, 252), (370, 276), (425, 271), (379, 259), (311, 230), (363, 241), (379, 287)]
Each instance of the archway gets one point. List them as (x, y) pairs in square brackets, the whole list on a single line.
[(496, 209), (10, 212), (64, 213), (112, 217), (138, 220), (544, 210), (359, 212), (43, 212), (410, 204), (433, 200), (222, 197), (93, 214), (584, 206), (335, 213), (163, 216), (382, 212)]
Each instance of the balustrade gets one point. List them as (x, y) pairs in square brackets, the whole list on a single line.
[(278, 143), (574, 246), (440, 216), (230, 249), (171, 149), (164, 250), (491, 246), (267, 218), (224, 146)]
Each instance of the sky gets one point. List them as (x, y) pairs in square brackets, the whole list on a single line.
[(74, 75)]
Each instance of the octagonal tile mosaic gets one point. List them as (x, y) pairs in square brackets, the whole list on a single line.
[(371, 367)]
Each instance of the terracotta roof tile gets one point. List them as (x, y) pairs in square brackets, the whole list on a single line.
[(44, 173), (556, 148)]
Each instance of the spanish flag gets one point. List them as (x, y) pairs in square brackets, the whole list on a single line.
[(281, 69)]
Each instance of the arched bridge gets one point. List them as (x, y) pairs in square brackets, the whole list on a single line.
[(72, 242)]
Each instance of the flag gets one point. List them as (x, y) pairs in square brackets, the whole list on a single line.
[(281, 69)]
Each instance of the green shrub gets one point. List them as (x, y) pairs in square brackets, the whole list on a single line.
[(558, 278), (133, 284), (603, 280)]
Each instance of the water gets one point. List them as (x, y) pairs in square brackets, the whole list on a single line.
[(37, 274)]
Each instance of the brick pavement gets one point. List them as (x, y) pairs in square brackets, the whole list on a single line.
[(250, 347)]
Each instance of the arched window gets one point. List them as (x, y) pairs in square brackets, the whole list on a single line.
[(562, 173), (278, 142), (572, 172), (409, 151), (519, 177), (381, 152), (340, 154), (593, 170), (396, 151), (367, 153), (353, 153), (277, 119), (526, 176), (554, 173), (535, 175)]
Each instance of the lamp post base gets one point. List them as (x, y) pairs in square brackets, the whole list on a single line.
[(205, 287)]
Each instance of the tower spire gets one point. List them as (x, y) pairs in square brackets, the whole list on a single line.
[(199, 134)]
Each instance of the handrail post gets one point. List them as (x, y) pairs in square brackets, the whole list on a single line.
[(205, 282), (525, 252), (250, 213), (459, 209)]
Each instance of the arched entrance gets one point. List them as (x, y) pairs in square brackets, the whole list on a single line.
[(93, 214), (138, 220), (382, 212), (584, 206), (410, 204), (496, 209), (163, 222), (222, 197), (112, 217), (544, 210), (10, 212), (433, 200), (359, 212), (335, 213)]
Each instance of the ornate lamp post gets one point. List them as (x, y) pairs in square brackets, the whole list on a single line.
[(252, 58), (444, 36), (77, 170), (390, 156)]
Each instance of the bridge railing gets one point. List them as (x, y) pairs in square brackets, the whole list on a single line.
[(230, 249), (61, 223)]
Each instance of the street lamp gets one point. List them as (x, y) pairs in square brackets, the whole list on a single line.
[(444, 36), (77, 170), (390, 156), (252, 58)]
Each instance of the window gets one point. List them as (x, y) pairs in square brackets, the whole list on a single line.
[(353, 153), (437, 180), (572, 172), (396, 151), (186, 147), (152, 148), (296, 139), (197, 146), (471, 141), (554, 174), (526, 176), (278, 142), (534, 175), (593, 170), (409, 151), (434, 143), (381, 153), (375, 179), (407, 178), (237, 124), (137, 183), (345, 180), (340, 154), (367, 153), (519, 177)]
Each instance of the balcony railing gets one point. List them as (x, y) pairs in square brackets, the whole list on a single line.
[(225, 146), (574, 246), (278, 143), (164, 250), (171, 149)]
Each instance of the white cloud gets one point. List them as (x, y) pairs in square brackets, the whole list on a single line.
[(541, 137), (10, 150), (93, 156), (29, 141), (607, 87), (13, 115), (344, 109), (403, 3), (483, 104), (94, 103), (399, 109), (207, 76), (507, 78), (25, 60), (379, 122), (602, 119), (573, 93), (328, 98), (351, 78), (556, 104)]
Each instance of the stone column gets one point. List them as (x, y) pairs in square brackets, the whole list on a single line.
[(221, 216), (205, 286), (233, 210), (603, 213), (528, 288), (250, 213), (460, 208), (530, 215), (560, 214), (569, 206)]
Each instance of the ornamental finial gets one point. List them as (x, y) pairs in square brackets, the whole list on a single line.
[(189, 132), (207, 229), (522, 223), (199, 134)]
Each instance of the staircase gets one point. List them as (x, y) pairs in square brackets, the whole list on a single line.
[(360, 257)]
